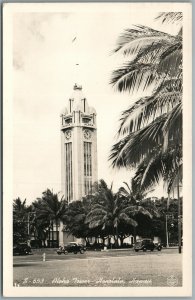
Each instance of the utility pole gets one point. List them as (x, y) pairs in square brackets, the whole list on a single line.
[(179, 216), (167, 234)]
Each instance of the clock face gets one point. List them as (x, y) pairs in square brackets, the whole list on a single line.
[(87, 134), (68, 134)]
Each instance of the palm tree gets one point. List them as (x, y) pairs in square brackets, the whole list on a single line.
[(39, 224), (150, 131), (109, 212), (20, 228), (50, 208), (75, 218), (135, 202)]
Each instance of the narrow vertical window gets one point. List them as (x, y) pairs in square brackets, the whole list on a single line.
[(68, 164), (87, 167)]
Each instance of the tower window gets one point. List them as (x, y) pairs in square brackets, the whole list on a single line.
[(87, 167), (68, 121), (86, 120), (68, 164), (70, 107)]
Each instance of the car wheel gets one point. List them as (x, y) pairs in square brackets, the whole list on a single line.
[(65, 252), (81, 251), (144, 249), (75, 252), (152, 249), (136, 250)]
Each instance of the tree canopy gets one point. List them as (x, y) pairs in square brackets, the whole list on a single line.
[(150, 131)]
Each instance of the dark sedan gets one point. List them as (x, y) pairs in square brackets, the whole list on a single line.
[(22, 249), (146, 244), (72, 247)]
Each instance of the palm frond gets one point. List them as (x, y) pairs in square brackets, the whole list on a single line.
[(172, 178), (161, 166), (166, 96), (130, 210), (156, 166), (144, 212), (153, 54), (123, 192), (133, 76), (173, 123), (124, 218), (133, 148), (171, 61), (170, 17), (95, 223), (134, 39)]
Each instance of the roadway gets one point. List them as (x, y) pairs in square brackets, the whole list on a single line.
[(99, 268)]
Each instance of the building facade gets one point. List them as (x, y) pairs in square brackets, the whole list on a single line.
[(78, 147)]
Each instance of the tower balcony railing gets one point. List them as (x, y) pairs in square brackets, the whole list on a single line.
[(88, 124), (67, 125)]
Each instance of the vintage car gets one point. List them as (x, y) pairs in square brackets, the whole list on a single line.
[(147, 244), (72, 247), (22, 249)]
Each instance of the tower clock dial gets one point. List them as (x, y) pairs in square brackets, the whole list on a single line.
[(87, 134), (68, 134)]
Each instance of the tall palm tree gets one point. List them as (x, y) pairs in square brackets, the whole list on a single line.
[(111, 211), (52, 209), (75, 218), (20, 216), (135, 202), (150, 131)]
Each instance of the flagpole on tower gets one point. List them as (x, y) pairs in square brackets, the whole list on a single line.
[(76, 60)]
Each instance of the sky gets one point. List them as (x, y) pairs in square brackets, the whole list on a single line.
[(44, 73)]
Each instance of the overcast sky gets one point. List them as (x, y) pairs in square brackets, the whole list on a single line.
[(44, 75)]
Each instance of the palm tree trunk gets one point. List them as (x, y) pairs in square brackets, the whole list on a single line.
[(134, 235), (57, 232), (52, 233), (121, 241), (168, 201), (49, 237), (179, 216), (87, 241), (116, 238), (165, 144)]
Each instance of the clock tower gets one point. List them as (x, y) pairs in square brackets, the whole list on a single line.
[(78, 147)]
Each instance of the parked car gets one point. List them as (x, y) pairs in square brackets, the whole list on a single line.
[(95, 247), (71, 247), (22, 249), (146, 244)]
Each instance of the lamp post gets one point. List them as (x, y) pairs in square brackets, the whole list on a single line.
[(179, 216), (167, 231), (167, 234)]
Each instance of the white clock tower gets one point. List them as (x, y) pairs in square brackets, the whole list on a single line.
[(78, 147)]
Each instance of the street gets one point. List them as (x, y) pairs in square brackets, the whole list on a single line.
[(99, 268)]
